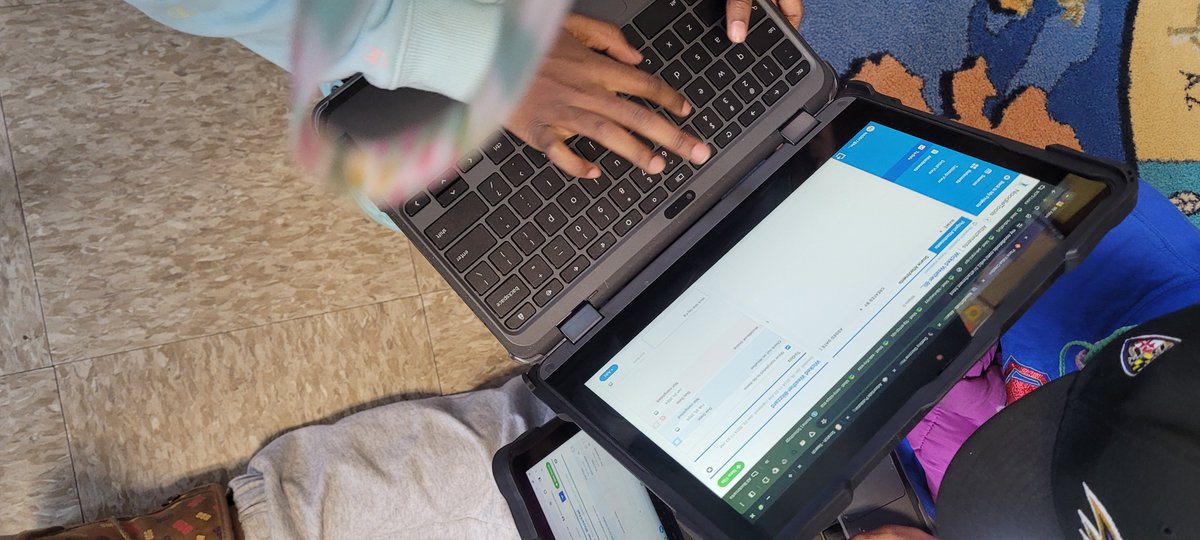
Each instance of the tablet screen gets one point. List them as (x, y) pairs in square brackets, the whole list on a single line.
[(585, 494), (750, 373)]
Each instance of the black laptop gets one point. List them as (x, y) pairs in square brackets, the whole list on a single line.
[(752, 337)]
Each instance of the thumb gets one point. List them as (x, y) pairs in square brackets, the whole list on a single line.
[(602, 36)]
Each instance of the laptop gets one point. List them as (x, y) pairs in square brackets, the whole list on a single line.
[(536, 253), (751, 338)]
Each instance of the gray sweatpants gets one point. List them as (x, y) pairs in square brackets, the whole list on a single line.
[(415, 469)]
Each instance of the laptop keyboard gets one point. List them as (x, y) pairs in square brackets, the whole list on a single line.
[(522, 235)]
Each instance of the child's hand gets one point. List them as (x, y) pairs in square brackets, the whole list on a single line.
[(737, 14), (575, 93)]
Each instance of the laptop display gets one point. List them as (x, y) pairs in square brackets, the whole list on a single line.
[(575, 486), (757, 366)]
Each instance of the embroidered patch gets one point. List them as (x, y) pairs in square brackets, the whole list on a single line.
[(1020, 380), (1100, 526), (1139, 351)]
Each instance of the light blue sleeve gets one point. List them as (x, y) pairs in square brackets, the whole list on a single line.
[(443, 46)]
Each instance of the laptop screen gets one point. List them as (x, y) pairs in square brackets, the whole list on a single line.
[(584, 493), (751, 373)]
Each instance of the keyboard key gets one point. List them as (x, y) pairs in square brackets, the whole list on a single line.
[(786, 54), (548, 182), (720, 74), (747, 87), (452, 193), (632, 36), (601, 246), (716, 41), (503, 221), (576, 267), (528, 239), (624, 194), (416, 204), (482, 277), (602, 213), (558, 251), (754, 112), (525, 202), (756, 14), (536, 157), (710, 12), (471, 248), (657, 16), (521, 317), (767, 71), (517, 170), (699, 92), (653, 200), (581, 232), (507, 296), (775, 93), (469, 161), (740, 57), (651, 63), (444, 181), (688, 28), (798, 73), (573, 200), (764, 37), (677, 180), (643, 181), (727, 134), (670, 158), (551, 219), (544, 296), (627, 223), (494, 189), (505, 258), (536, 271), (751, 114), (696, 58), (676, 75), (707, 123), (728, 105), (456, 221), (589, 149), (668, 45), (614, 164), (597, 186), (499, 149)]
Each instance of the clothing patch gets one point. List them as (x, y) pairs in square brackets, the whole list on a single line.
[(1020, 380), (1139, 351)]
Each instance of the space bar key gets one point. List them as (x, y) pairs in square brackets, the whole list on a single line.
[(455, 221)]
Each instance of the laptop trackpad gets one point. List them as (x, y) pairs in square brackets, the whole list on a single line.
[(878, 489), (605, 10)]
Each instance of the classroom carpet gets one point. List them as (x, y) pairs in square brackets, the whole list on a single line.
[(1118, 79)]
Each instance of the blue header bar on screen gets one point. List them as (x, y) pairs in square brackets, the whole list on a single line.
[(942, 174)]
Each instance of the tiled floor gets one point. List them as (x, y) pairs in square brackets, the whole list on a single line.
[(172, 293)]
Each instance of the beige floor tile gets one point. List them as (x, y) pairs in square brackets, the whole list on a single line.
[(468, 356), (146, 424), (22, 334), (37, 488), (158, 187)]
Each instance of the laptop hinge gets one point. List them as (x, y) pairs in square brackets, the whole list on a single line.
[(580, 322), (798, 127)]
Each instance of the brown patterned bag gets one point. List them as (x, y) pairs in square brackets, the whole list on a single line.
[(201, 513)]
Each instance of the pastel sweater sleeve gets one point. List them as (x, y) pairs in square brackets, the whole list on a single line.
[(443, 46)]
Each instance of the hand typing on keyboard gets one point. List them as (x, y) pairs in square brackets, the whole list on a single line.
[(738, 15), (575, 92)]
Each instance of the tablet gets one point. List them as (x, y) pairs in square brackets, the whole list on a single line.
[(777, 351), (561, 485)]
